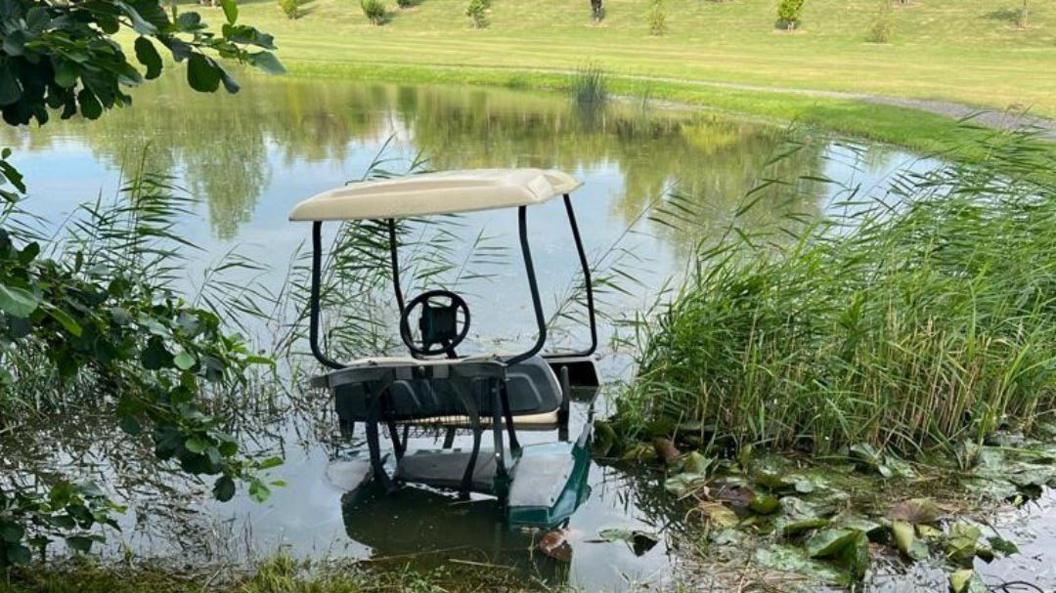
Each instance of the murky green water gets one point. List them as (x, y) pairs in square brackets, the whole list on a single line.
[(249, 158)]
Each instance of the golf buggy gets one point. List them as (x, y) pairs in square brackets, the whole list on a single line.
[(437, 386)]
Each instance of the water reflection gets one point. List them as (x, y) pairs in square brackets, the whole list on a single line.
[(234, 152)]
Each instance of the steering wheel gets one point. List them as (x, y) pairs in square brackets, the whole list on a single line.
[(438, 325)]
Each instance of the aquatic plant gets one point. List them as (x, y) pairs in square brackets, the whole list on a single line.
[(590, 87), (916, 318)]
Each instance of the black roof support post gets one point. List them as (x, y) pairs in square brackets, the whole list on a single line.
[(533, 285), (317, 272)]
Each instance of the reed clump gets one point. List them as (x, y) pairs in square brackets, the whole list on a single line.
[(919, 318)]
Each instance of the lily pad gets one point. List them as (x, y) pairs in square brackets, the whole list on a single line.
[(829, 542), (966, 581), (867, 526), (795, 560), (718, 514), (764, 504), (915, 510), (797, 527), (639, 541), (686, 484), (695, 463), (961, 543), (906, 541)]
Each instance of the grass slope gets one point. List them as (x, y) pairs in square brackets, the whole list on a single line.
[(969, 52), (951, 50)]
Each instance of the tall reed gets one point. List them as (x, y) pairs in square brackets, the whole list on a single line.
[(915, 318)]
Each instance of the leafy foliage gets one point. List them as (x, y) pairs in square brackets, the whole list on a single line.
[(101, 323), (788, 14), (657, 17), (290, 8), (477, 11), (374, 10), (61, 56)]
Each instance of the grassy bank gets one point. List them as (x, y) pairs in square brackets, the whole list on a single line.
[(907, 326), (917, 130), (950, 50), (277, 575)]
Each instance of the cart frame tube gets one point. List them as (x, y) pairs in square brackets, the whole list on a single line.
[(587, 283), (317, 272)]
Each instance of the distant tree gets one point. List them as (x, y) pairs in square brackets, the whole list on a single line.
[(1023, 15), (657, 17), (788, 14), (597, 10)]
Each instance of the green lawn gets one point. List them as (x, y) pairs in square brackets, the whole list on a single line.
[(957, 50)]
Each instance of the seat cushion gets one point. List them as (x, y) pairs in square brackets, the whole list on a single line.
[(532, 387)]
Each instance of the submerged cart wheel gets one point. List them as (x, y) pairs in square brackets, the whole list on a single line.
[(438, 324)]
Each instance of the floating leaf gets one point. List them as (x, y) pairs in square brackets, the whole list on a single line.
[(639, 541), (686, 484), (695, 463), (915, 510), (1000, 544), (764, 504), (966, 581), (906, 541), (961, 543), (828, 542), (794, 559), (794, 528), (718, 514)]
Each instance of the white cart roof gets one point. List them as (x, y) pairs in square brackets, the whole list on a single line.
[(436, 193)]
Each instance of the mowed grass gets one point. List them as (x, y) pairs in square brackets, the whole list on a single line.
[(953, 50)]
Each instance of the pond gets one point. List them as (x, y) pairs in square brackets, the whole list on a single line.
[(249, 158)]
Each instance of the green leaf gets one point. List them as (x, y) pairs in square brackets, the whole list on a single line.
[(829, 542), (230, 10), (18, 554), (11, 533), (224, 489), (130, 425), (270, 463), (966, 581), (184, 360), (258, 491), (267, 62), (10, 86), (1002, 545), (79, 543), (148, 55), (17, 302), (141, 25), (90, 106), (203, 75), (906, 541), (65, 320), (197, 444)]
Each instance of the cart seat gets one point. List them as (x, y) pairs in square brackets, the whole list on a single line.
[(426, 390)]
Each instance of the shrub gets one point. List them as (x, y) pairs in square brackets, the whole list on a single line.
[(597, 10), (590, 87), (788, 14), (477, 11), (290, 8), (1023, 16), (374, 10), (405, 3), (657, 17), (880, 31)]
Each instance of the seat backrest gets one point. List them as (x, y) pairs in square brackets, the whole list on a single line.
[(531, 385)]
